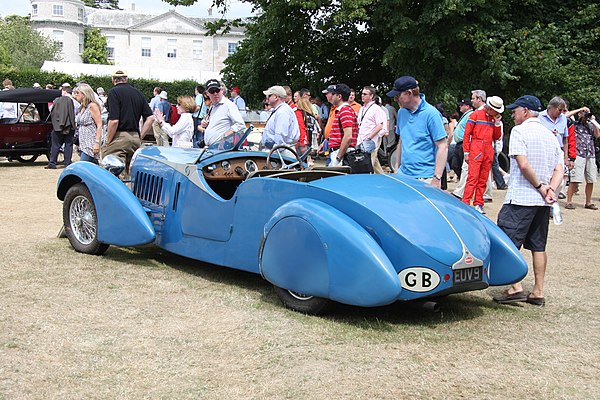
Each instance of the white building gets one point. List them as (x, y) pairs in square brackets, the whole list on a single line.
[(150, 43)]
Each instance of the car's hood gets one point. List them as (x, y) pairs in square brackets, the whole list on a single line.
[(430, 219)]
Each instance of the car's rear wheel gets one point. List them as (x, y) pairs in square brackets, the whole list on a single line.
[(27, 159), (81, 221), (303, 303)]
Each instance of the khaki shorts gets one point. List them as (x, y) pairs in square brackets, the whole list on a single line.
[(584, 170)]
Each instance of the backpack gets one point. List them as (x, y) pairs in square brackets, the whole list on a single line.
[(173, 114), (313, 130)]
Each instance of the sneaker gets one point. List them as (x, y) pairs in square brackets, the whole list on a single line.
[(562, 196), (480, 209)]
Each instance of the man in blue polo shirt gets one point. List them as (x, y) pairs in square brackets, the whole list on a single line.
[(424, 144)]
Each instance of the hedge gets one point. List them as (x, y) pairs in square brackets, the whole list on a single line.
[(26, 78)]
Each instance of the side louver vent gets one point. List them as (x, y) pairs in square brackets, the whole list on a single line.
[(148, 187)]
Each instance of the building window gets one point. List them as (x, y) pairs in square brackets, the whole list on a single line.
[(197, 50), (57, 9), (171, 48), (146, 47), (34, 9), (110, 48), (231, 48), (80, 14), (59, 37), (81, 41)]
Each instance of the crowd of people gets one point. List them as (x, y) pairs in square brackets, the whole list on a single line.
[(431, 146)]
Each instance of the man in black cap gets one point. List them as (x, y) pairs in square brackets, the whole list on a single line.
[(424, 144), (223, 119), (536, 170), (126, 105)]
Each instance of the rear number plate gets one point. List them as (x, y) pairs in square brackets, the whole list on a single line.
[(467, 275)]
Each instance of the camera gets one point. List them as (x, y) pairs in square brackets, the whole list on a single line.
[(586, 115)]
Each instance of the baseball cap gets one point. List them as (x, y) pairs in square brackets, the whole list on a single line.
[(495, 103), (37, 85), (403, 84), (341, 88), (66, 84), (528, 101), (465, 102), (119, 72), (236, 89), (278, 91), (163, 95), (212, 84), (329, 89)]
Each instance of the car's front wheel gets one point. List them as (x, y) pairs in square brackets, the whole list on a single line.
[(302, 303), (81, 221)]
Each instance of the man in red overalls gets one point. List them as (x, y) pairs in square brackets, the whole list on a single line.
[(483, 127)]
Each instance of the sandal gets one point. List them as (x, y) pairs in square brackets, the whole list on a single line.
[(507, 298), (536, 301), (570, 206), (591, 206)]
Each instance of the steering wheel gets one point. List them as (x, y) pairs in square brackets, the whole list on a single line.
[(283, 164)]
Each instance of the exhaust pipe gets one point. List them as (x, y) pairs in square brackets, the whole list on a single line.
[(430, 306)]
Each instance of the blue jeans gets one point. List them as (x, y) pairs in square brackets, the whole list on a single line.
[(85, 157)]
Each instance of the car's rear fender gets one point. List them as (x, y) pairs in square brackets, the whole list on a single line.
[(507, 264), (311, 248), (122, 220)]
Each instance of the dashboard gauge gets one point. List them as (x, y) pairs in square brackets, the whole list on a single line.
[(211, 167), (225, 165), (274, 164), (250, 166)]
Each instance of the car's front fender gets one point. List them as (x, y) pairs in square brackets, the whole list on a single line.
[(311, 248), (122, 220), (507, 264)]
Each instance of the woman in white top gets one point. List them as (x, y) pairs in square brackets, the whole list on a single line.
[(183, 130)]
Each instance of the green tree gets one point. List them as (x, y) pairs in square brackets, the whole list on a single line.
[(26, 47), (94, 47), (507, 47), (105, 4)]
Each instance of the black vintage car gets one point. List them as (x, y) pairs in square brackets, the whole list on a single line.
[(29, 137)]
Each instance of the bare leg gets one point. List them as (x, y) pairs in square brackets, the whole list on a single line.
[(571, 191), (589, 187), (540, 259)]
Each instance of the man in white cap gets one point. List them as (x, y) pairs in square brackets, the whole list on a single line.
[(282, 125), (483, 127), (223, 119)]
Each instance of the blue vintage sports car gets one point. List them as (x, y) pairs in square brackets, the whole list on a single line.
[(318, 235)]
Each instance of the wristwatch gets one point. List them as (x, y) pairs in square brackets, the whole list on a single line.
[(438, 177)]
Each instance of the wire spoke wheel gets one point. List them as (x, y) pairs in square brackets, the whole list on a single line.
[(81, 221)]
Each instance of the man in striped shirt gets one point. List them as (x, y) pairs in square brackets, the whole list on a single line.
[(344, 130)]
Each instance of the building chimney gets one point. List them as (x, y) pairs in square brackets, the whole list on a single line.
[(132, 6), (209, 11)]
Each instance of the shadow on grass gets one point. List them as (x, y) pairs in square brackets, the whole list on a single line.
[(40, 162), (453, 308)]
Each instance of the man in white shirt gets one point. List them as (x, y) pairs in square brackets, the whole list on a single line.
[(282, 125), (223, 119), (372, 126)]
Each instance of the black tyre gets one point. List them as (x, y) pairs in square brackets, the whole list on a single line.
[(27, 159), (301, 302), (81, 221)]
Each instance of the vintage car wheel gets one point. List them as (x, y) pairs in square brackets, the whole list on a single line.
[(301, 302), (81, 221), (27, 159)]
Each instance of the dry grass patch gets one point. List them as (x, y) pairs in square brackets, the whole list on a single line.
[(142, 323)]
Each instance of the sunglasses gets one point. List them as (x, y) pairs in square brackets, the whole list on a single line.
[(213, 90)]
